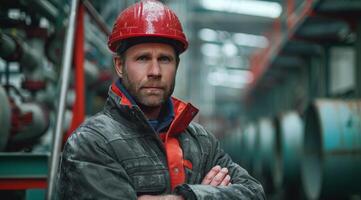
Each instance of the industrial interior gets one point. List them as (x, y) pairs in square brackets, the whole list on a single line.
[(278, 82)]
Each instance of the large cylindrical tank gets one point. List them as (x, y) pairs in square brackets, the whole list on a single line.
[(331, 167), (289, 138), (5, 118), (231, 144), (236, 141), (256, 156), (267, 152), (248, 146)]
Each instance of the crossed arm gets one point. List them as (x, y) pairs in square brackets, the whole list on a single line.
[(217, 176), (89, 171)]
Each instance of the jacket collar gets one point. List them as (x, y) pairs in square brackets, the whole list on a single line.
[(183, 112)]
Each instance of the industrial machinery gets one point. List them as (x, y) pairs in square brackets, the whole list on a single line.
[(37, 65)]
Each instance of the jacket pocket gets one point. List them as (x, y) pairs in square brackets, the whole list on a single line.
[(149, 183)]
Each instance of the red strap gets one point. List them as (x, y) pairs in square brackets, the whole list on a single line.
[(78, 107), (175, 162), (184, 114)]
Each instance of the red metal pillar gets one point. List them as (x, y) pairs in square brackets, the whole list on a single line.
[(79, 104)]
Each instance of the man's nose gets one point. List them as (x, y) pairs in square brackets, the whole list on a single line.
[(155, 70)]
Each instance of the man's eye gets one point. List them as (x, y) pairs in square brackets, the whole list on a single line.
[(165, 59), (142, 58)]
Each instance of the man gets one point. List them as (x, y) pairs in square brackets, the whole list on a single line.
[(143, 145)]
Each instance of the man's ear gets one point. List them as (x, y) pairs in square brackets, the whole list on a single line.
[(118, 65)]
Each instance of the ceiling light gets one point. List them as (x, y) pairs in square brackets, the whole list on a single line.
[(208, 35), (229, 49), (230, 78), (244, 39), (240, 39), (247, 7), (210, 50)]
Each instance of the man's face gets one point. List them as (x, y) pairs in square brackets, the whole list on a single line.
[(148, 72)]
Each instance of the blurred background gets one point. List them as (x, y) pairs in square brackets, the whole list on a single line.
[(277, 81)]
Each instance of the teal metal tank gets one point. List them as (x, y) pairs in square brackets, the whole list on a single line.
[(291, 148), (290, 139), (267, 152), (248, 147), (332, 149)]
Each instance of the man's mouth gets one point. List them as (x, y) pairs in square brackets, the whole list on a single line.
[(152, 88)]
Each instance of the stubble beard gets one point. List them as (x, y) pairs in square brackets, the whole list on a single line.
[(144, 99)]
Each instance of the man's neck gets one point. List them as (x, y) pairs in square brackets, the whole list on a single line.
[(151, 113)]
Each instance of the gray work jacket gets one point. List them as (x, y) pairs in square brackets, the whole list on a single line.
[(116, 154)]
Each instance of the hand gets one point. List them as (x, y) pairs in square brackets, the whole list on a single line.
[(160, 197), (217, 177)]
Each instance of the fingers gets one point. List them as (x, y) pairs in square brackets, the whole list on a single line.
[(226, 181), (217, 176), (217, 180), (211, 174)]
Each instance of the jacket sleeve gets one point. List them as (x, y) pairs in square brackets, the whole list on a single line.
[(243, 185), (88, 170)]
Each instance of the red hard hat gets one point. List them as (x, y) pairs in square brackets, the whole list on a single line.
[(150, 19)]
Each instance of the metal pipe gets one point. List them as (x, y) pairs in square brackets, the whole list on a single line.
[(332, 149), (96, 17), (47, 9), (7, 46), (64, 81), (12, 49)]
